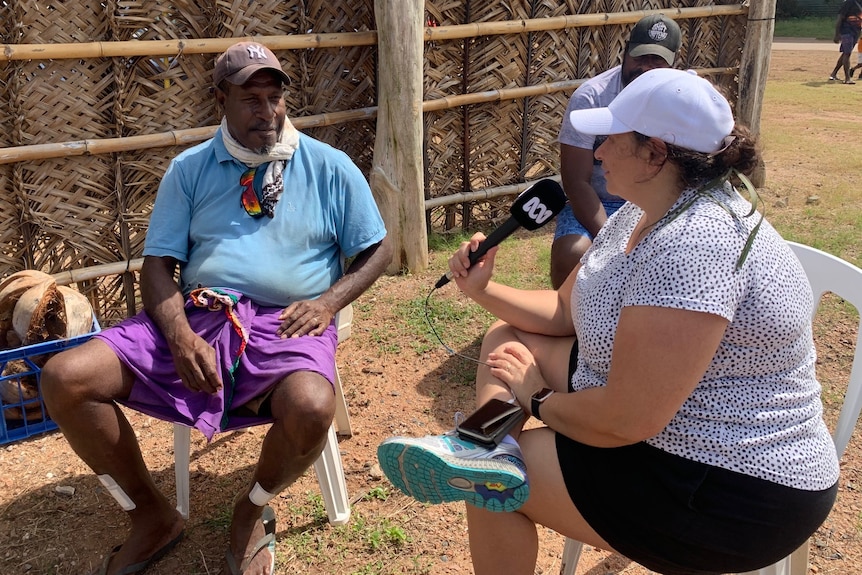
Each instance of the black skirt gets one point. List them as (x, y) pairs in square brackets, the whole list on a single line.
[(680, 517), (676, 516)]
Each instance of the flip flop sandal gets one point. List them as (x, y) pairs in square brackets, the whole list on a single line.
[(141, 565), (268, 541)]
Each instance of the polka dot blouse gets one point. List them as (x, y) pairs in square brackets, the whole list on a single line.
[(757, 409)]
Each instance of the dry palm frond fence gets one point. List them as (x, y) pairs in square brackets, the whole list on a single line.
[(96, 96)]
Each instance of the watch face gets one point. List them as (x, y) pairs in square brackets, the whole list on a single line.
[(543, 394)]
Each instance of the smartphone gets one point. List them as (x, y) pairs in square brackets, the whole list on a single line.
[(491, 422)]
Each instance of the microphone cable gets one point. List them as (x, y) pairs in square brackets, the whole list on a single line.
[(440, 339)]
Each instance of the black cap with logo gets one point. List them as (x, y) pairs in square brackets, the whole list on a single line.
[(655, 34)]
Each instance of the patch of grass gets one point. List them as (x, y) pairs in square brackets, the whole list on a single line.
[(379, 492), (522, 262), (222, 520), (447, 243), (821, 28), (386, 535), (815, 200), (370, 544), (527, 267), (454, 320)]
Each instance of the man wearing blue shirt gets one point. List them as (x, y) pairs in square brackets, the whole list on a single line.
[(260, 220)]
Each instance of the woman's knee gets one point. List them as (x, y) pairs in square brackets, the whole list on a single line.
[(498, 334)]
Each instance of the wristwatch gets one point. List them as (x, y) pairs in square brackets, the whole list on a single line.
[(538, 399)]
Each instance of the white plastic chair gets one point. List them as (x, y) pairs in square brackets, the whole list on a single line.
[(826, 273), (330, 472)]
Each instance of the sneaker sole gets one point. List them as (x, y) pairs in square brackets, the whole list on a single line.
[(436, 478)]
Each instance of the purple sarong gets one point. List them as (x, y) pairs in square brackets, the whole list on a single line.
[(252, 359)]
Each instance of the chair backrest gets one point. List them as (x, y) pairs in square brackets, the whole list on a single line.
[(827, 273)]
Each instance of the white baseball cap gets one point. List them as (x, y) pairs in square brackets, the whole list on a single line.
[(675, 106)]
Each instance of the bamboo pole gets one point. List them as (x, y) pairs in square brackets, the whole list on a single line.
[(459, 31), (104, 146), (94, 272), (155, 48), (396, 176), (448, 102), (15, 154), (132, 48), (753, 70), (484, 194)]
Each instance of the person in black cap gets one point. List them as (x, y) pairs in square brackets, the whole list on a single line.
[(653, 43), (259, 220)]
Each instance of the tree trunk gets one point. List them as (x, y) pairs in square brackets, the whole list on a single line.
[(396, 174), (753, 69)]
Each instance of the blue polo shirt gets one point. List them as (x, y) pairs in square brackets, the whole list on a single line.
[(326, 214)]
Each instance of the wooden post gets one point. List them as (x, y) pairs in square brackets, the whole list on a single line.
[(753, 69), (396, 174)]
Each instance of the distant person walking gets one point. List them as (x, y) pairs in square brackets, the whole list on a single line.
[(858, 58), (847, 28)]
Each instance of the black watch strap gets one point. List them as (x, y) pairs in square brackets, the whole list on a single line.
[(536, 401), (534, 407)]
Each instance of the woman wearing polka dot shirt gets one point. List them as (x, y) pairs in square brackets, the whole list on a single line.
[(687, 431)]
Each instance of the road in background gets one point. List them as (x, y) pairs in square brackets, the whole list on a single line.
[(804, 44)]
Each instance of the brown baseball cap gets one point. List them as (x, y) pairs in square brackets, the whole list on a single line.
[(655, 34), (240, 61)]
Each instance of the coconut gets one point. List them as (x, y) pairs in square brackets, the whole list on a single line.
[(40, 314), (18, 389), (33, 276), (11, 290), (79, 312)]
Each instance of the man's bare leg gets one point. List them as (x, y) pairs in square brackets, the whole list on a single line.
[(303, 406), (79, 388)]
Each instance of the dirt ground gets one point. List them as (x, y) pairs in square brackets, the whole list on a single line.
[(55, 518)]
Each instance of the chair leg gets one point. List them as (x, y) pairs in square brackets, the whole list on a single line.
[(181, 467), (781, 567), (799, 560), (794, 564), (571, 555), (342, 417), (330, 476), (328, 467), (344, 323)]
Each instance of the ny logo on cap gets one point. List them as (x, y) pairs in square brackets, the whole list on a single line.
[(658, 31), (256, 51)]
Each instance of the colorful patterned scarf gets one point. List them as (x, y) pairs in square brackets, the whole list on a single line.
[(275, 160), (215, 299)]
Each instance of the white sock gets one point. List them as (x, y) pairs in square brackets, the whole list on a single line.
[(117, 492), (259, 496)]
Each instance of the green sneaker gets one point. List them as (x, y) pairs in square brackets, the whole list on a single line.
[(445, 468)]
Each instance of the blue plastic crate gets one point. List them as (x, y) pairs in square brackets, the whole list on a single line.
[(28, 416)]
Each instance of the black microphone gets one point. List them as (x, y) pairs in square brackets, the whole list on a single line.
[(533, 208)]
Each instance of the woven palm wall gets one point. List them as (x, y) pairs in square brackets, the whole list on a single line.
[(493, 144), (70, 212)]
